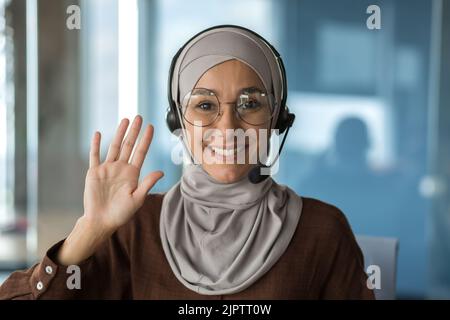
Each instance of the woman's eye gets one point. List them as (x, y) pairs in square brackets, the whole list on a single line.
[(205, 106), (248, 105)]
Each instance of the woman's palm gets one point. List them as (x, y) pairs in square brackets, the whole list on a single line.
[(112, 190)]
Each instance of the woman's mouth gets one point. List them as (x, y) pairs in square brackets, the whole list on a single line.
[(228, 152)]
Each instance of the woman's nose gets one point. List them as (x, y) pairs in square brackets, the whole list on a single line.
[(228, 119)]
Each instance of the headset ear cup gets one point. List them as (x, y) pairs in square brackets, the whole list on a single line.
[(172, 120)]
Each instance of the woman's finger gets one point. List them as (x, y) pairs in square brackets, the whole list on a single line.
[(94, 154), (141, 151), (130, 140), (114, 148), (148, 183)]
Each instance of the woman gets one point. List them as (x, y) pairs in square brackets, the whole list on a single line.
[(220, 232)]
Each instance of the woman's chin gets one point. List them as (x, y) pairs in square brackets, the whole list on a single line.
[(227, 173)]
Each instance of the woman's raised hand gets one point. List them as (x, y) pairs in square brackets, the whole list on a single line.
[(112, 191)]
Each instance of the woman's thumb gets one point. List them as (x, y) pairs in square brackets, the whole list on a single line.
[(148, 183)]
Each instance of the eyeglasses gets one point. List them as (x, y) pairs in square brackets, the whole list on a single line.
[(201, 107)]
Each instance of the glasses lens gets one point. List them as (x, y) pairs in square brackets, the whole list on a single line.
[(200, 107), (255, 107)]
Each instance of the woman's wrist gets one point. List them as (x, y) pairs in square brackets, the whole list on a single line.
[(82, 242)]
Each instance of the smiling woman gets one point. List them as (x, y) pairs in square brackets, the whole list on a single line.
[(216, 232)]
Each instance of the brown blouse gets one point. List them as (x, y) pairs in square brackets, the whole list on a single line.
[(323, 261)]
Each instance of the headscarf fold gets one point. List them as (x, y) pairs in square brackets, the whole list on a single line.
[(220, 238)]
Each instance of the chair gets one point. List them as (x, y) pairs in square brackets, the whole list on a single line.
[(381, 252)]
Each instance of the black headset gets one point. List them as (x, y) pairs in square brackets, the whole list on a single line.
[(285, 118)]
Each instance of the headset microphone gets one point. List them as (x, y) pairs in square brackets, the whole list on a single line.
[(255, 175)]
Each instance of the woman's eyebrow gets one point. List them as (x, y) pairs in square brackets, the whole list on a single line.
[(207, 89), (247, 89), (251, 89)]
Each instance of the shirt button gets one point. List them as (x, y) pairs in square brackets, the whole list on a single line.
[(48, 269), (40, 286)]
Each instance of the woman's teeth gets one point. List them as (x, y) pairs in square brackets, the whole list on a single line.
[(227, 152), (224, 152)]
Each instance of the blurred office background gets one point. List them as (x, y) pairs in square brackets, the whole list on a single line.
[(372, 134)]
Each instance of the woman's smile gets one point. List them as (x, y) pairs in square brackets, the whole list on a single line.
[(228, 152)]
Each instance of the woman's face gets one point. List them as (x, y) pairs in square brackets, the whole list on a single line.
[(219, 145)]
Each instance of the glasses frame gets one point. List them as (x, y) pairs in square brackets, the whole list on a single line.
[(272, 103)]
